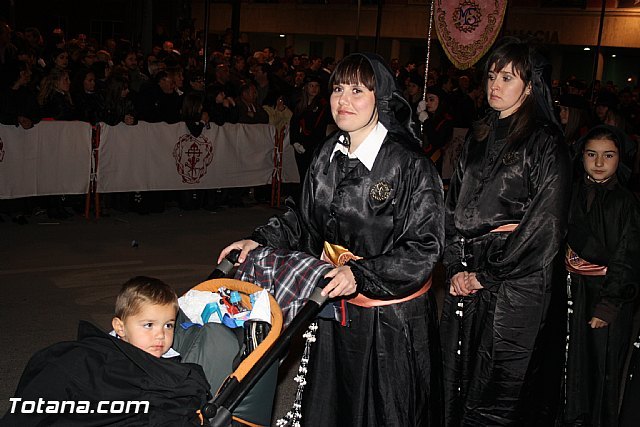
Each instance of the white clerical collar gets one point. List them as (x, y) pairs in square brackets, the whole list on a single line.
[(368, 150)]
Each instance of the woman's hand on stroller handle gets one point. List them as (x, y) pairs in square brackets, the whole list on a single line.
[(244, 246), (342, 282)]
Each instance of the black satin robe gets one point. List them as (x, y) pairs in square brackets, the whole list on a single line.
[(607, 232), (383, 369), (494, 372)]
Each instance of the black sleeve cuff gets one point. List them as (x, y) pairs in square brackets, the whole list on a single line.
[(358, 276), (258, 238), (454, 269), (606, 311), (486, 280)]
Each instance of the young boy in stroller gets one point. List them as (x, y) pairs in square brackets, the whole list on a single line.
[(127, 379)]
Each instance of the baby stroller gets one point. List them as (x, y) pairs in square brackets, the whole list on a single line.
[(245, 392)]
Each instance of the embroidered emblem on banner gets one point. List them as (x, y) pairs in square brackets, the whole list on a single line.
[(380, 191), (193, 156), (1, 150), (468, 28), (467, 16), (510, 158)]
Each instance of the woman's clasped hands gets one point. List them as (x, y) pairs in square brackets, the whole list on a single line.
[(464, 283)]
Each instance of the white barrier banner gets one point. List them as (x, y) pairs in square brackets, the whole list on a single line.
[(289, 168), (160, 156), (50, 158)]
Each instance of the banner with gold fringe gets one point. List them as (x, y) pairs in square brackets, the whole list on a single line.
[(467, 28)]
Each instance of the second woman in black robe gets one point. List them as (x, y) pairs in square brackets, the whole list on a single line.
[(502, 328)]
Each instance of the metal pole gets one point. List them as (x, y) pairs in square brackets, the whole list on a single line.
[(357, 28), (597, 52), (205, 48), (147, 26), (378, 25)]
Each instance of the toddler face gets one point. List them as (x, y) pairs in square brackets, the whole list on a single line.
[(600, 158), (151, 329)]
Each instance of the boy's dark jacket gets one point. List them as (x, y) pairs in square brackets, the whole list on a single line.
[(99, 367)]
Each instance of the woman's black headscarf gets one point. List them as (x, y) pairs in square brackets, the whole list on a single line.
[(394, 111)]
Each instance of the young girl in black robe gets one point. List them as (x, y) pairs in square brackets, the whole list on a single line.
[(604, 273)]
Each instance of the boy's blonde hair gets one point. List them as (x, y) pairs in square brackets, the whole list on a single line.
[(143, 290)]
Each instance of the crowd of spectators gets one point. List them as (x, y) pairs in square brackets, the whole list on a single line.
[(53, 77)]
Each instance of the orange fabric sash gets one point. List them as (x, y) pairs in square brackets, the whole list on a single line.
[(339, 255), (506, 228), (577, 265)]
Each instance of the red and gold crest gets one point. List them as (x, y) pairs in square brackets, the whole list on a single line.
[(468, 28), (193, 156)]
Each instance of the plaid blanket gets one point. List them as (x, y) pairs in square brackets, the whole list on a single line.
[(289, 276)]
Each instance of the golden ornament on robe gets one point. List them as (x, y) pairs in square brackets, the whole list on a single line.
[(380, 191)]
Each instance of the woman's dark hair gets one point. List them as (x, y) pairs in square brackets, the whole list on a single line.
[(160, 75), (77, 85), (11, 73), (520, 55), (113, 91), (272, 99), (99, 69), (191, 113), (354, 69), (444, 104), (305, 102), (578, 119), (191, 107)]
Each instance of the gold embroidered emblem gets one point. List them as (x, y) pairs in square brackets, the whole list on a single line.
[(510, 158), (380, 191)]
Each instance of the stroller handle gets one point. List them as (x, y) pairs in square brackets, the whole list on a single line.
[(235, 388), (225, 267)]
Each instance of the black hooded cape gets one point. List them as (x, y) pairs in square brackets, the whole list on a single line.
[(98, 367), (384, 368), (604, 229), (503, 346)]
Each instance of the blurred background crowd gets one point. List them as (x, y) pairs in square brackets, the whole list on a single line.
[(58, 76)]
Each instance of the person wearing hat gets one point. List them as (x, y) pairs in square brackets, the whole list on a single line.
[(373, 197), (309, 123), (413, 94), (438, 127), (575, 117), (503, 319)]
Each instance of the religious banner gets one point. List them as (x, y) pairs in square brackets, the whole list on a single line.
[(49, 159), (628, 3), (161, 156), (468, 28)]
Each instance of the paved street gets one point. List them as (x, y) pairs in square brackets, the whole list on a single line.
[(53, 274)]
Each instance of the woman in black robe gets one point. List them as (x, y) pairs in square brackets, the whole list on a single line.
[(309, 123), (604, 230), (502, 324), (371, 190)]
